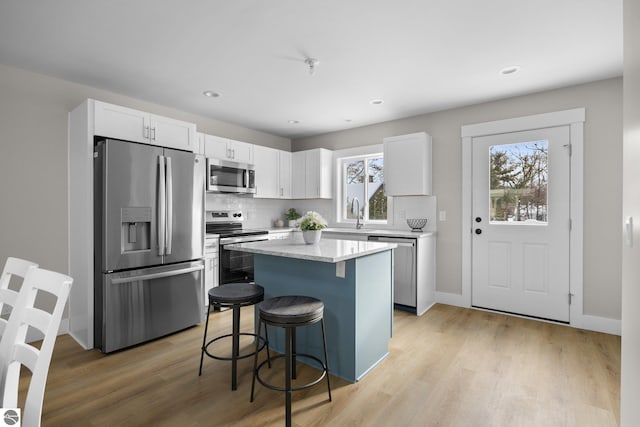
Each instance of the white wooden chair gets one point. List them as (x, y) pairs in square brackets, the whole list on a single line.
[(15, 352), (12, 267)]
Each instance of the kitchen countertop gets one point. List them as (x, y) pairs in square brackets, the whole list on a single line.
[(381, 232), (327, 250), (364, 231)]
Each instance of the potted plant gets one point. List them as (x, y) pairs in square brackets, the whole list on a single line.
[(311, 225), (292, 215)]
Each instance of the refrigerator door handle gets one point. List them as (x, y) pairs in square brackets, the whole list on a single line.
[(169, 206), (153, 276), (161, 205)]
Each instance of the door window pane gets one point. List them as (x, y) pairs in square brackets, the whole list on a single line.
[(518, 182)]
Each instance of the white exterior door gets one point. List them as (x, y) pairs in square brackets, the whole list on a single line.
[(521, 222)]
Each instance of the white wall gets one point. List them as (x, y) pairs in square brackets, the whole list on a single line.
[(630, 374), (602, 181), (33, 159)]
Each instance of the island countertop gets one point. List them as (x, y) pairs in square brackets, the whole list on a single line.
[(327, 250)]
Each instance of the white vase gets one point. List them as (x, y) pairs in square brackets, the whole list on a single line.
[(293, 223), (311, 237)]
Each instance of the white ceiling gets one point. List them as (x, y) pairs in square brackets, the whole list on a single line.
[(417, 55)]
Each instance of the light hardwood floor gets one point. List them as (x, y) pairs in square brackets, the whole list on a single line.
[(450, 367)]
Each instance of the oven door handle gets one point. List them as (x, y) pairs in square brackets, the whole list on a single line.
[(231, 240)]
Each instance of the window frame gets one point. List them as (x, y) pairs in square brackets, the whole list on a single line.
[(341, 208)]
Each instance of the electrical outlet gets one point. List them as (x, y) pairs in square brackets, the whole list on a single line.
[(340, 269), (443, 215), (403, 214)]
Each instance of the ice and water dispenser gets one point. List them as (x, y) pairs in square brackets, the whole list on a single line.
[(135, 229)]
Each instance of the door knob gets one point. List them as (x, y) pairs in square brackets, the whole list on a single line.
[(478, 231)]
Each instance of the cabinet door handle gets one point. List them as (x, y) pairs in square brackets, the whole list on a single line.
[(153, 133), (145, 131)]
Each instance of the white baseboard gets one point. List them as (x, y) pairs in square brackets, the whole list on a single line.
[(36, 335), (598, 324), (450, 299), (588, 322), (64, 327)]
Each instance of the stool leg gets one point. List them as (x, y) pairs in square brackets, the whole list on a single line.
[(266, 337), (326, 360), (255, 358), (288, 363), (204, 337), (235, 351), (294, 371)]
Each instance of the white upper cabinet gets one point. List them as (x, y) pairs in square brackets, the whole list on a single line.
[(311, 174), (115, 121), (266, 163), (284, 176), (407, 165), (273, 172), (228, 149)]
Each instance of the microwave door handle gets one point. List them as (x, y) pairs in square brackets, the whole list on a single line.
[(246, 178), (161, 205), (169, 206)]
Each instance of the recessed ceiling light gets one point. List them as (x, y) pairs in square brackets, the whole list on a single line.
[(510, 70), (294, 122), (348, 120), (376, 101), (211, 94)]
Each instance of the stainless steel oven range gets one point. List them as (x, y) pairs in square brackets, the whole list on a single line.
[(233, 266)]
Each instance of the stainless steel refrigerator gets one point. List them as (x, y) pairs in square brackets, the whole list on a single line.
[(148, 242)]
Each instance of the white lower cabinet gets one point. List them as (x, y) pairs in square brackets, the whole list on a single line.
[(211, 259), (115, 121)]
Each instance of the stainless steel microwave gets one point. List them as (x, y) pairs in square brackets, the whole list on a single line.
[(230, 177)]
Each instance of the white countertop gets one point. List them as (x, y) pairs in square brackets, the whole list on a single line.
[(327, 250), (381, 232), (364, 231)]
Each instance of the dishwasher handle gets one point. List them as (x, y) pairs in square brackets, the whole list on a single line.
[(400, 241)]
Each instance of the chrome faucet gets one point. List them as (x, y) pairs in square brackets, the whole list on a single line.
[(355, 200)]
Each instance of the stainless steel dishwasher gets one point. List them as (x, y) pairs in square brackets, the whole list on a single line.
[(404, 269)]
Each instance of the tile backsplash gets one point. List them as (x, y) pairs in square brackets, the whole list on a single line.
[(414, 207), (261, 213)]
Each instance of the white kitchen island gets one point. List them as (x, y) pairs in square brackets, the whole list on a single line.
[(354, 279)]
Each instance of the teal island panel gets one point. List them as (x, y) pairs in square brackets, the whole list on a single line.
[(358, 308)]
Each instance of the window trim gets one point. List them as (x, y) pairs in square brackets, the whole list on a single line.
[(340, 158)]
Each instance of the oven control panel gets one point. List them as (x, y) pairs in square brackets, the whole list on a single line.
[(224, 216)]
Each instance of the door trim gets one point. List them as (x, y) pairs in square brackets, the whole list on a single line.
[(575, 119)]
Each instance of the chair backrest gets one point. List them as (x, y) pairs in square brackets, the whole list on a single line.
[(12, 267), (15, 351)]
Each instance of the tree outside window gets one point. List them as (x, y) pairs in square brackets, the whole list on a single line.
[(363, 178), (518, 182)]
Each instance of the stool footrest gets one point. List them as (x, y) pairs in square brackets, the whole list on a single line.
[(324, 373), (263, 342)]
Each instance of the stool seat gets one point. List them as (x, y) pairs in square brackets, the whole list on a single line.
[(291, 310), (236, 293)]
